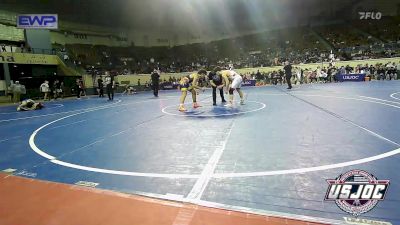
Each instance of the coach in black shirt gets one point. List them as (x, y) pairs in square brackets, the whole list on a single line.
[(100, 87), (155, 81), (288, 73)]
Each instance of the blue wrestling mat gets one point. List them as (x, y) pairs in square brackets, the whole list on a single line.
[(273, 154)]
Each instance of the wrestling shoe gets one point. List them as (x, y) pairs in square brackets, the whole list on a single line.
[(196, 105), (182, 109)]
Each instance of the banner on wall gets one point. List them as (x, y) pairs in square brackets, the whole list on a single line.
[(169, 85), (249, 83), (350, 77), (37, 21), (26, 58)]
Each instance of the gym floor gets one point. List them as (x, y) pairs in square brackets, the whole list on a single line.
[(271, 156)]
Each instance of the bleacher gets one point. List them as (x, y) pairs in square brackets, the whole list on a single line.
[(11, 33), (342, 36), (385, 29)]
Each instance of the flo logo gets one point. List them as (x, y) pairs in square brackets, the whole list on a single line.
[(356, 192), (370, 15)]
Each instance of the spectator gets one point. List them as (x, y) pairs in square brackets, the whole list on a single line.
[(258, 75), (342, 70), (62, 89), (17, 89), (57, 89), (380, 73), (330, 77), (313, 76), (323, 76), (298, 75), (281, 75)]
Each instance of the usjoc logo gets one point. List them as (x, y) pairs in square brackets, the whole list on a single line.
[(351, 77), (247, 82), (37, 21), (356, 192), (370, 15)]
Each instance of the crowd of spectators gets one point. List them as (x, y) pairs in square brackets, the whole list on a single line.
[(388, 71), (385, 29), (52, 91), (298, 46), (342, 36)]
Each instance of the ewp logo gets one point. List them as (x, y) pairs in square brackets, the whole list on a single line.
[(37, 21), (370, 15)]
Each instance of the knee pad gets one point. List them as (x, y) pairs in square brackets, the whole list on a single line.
[(231, 91)]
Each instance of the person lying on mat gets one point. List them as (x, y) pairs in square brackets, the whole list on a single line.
[(29, 104)]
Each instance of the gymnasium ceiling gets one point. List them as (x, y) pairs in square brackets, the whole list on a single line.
[(195, 16)]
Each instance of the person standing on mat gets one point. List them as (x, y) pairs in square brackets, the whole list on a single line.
[(288, 74), (216, 82), (45, 89), (100, 87), (79, 87), (155, 81), (110, 84)]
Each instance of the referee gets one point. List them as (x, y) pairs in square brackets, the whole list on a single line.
[(216, 82)]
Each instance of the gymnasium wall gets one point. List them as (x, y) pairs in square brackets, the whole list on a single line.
[(132, 79), (38, 39), (2, 85), (27, 58)]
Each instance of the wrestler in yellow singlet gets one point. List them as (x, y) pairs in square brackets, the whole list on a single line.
[(190, 83)]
